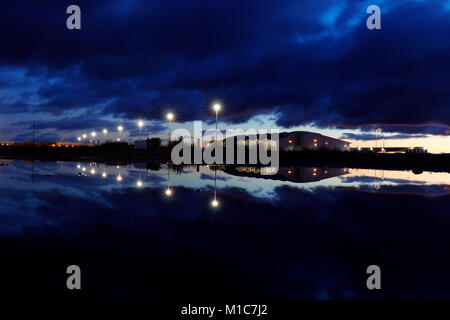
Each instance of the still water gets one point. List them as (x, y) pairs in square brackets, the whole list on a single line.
[(159, 232)]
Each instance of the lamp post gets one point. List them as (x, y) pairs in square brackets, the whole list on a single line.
[(216, 108), (376, 137), (84, 137), (93, 134), (120, 129), (140, 125), (105, 132), (169, 118)]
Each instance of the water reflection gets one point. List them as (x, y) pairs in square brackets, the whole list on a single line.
[(248, 178), (215, 203), (302, 233)]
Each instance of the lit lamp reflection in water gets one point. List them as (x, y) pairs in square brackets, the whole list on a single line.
[(119, 177), (139, 183), (104, 174), (168, 191), (215, 203), (376, 185)]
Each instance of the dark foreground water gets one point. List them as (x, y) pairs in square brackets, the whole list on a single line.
[(306, 233)]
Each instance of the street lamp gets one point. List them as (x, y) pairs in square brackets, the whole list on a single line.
[(93, 134), (376, 137), (105, 132), (120, 129), (140, 125), (169, 118), (79, 139), (84, 137), (217, 108)]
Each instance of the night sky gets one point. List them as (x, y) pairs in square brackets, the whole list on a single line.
[(286, 64)]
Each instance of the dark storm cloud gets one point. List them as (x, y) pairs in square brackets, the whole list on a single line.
[(306, 61), (69, 123)]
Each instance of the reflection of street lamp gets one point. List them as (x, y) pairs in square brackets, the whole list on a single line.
[(215, 203), (169, 118), (375, 185), (168, 190)]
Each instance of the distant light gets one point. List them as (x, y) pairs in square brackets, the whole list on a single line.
[(140, 123), (92, 171), (170, 116), (79, 138), (118, 139), (84, 169), (215, 203), (290, 141), (289, 172), (84, 136), (139, 183), (217, 107), (105, 131), (119, 178), (120, 128), (78, 166), (168, 192), (104, 175), (93, 133)]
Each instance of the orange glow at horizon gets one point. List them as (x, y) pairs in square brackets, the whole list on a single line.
[(434, 144)]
